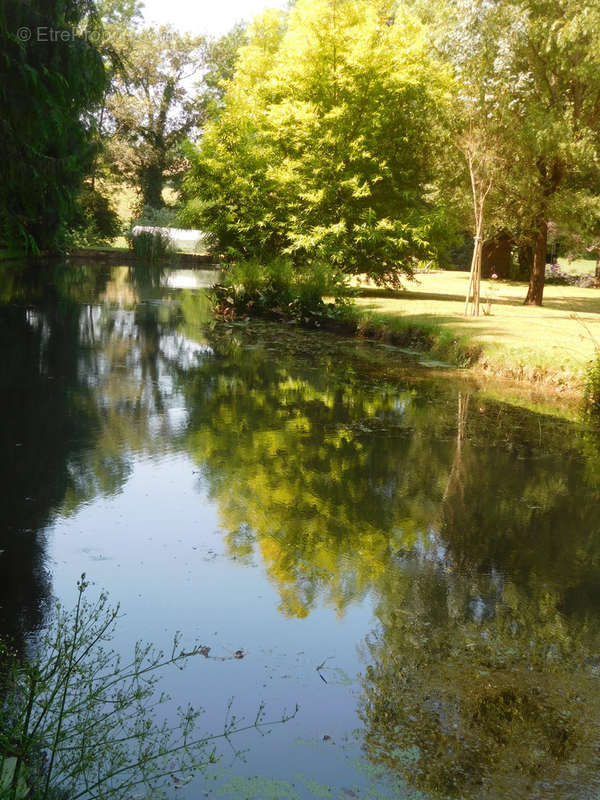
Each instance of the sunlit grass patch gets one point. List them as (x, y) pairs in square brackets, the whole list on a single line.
[(553, 343)]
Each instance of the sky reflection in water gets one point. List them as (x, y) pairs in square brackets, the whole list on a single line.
[(307, 499)]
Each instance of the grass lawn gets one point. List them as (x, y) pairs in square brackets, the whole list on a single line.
[(552, 344), (578, 266)]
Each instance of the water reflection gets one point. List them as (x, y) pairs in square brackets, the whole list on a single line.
[(477, 527), (92, 362), (482, 674), (46, 427), (477, 689), (473, 527)]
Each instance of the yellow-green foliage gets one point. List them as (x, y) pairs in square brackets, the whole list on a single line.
[(592, 386), (276, 287), (323, 147)]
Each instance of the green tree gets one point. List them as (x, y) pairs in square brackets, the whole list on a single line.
[(151, 109), (220, 58), (48, 94), (480, 126), (119, 14), (537, 62), (322, 149), (556, 61)]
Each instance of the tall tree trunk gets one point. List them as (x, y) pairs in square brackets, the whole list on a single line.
[(475, 276), (152, 180), (535, 292)]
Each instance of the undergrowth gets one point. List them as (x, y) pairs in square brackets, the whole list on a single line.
[(309, 295), (318, 296), (591, 389)]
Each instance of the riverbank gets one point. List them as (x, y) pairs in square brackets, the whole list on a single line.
[(114, 255), (547, 347), (124, 255)]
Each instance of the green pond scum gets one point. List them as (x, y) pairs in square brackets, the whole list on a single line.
[(413, 561)]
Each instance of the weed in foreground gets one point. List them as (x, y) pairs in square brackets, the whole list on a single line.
[(78, 722)]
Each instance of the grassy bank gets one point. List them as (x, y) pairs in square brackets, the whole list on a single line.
[(549, 345)]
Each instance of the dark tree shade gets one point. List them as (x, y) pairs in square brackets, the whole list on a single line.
[(51, 79)]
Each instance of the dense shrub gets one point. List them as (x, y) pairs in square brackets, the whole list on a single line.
[(151, 245), (277, 288), (155, 244), (592, 386), (97, 221)]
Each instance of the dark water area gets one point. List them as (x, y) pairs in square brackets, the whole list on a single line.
[(413, 564)]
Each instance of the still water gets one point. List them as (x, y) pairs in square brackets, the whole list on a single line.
[(415, 565)]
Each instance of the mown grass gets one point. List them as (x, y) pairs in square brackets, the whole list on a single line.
[(577, 266), (552, 344)]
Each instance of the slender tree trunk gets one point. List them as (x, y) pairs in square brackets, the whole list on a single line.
[(455, 479), (100, 134), (535, 292), (475, 275), (482, 181)]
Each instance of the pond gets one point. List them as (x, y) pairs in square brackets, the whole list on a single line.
[(415, 565)]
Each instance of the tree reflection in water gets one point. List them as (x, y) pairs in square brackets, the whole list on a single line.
[(472, 526), (91, 365), (482, 677), (476, 530)]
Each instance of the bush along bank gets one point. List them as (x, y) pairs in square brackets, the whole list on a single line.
[(280, 290), (317, 296), (591, 393)]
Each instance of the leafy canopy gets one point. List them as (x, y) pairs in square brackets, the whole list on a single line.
[(48, 92), (322, 149)]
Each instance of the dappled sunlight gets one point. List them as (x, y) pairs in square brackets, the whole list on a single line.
[(559, 337), (312, 493)]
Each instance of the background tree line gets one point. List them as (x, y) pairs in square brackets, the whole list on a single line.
[(110, 105), (364, 134)]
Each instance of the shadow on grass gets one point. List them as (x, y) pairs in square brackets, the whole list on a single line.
[(582, 305), (457, 322), (574, 303), (407, 294), (458, 325)]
